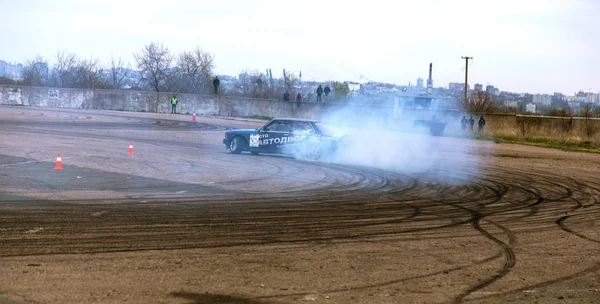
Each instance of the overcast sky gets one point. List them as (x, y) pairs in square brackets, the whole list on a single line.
[(523, 46)]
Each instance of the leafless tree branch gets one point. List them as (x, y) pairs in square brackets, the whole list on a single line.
[(35, 72), (117, 73), (154, 61)]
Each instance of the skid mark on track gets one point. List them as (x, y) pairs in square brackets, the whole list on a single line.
[(342, 204)]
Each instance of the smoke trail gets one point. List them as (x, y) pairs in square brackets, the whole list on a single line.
[(401, 144)]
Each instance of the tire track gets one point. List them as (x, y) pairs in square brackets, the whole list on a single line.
[(342, 204)]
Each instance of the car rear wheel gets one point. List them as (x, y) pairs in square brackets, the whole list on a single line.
[(237, 145), (315, 154)]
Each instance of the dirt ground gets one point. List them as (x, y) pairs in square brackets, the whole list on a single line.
[(184, 221)]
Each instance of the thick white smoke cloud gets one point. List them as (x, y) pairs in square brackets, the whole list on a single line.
[(395, 143)]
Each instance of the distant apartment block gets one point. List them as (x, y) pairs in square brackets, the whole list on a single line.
[(491, 90), (10, 70), (592, 97), (575, 99), (457, 86), (530, 108), (478, 87), (543, 99), (511, 103)]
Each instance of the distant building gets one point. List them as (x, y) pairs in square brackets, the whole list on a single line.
[(575, 107), (575, 99), (9, 70), (478, 87), (490, 89), (546, 99), (589, 97), (42, 67), (353, 86), (530, 108), (511, 103), (3, 68), (457, 86), (420, 83), (543, 99)]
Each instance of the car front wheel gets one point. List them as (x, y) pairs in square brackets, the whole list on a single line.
[(237, 145)]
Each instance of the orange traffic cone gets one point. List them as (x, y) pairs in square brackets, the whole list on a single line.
[(130, 148), (194, 117), (58, 163)]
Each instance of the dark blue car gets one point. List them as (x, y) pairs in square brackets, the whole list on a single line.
[(293, 136)]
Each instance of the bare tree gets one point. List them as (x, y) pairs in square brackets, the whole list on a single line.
[(479, 102), (89, 75), (259, 85), (154, 61), (117, 73), (256, 85), (291, 82), (244, 85), (35, 72), (252, 83), (590, 127), (64, 69), (194, 71)]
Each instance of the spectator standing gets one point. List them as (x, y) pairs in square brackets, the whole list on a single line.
[(463, 123), (216, 83), (298, 99), (327, 91), (481, 123), (286, 96), (319, 93), (174, 102), (471, 122)]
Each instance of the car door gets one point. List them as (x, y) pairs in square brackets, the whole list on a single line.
[(301, 134), (270, 136)]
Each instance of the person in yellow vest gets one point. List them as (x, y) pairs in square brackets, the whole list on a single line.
[(174, 104)]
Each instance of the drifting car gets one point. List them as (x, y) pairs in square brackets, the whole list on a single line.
[(300, 137)]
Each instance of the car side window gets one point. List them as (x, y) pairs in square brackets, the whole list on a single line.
[(301, 127), (277, 126)]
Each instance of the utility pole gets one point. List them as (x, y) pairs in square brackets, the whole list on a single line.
[(466, 58)]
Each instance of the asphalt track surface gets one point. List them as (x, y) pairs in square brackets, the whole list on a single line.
[(182, 190)]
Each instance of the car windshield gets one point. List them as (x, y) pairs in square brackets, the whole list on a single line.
[(329, 130)]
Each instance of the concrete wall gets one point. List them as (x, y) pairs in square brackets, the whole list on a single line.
[(565, 129), (45, 97), (123, 100), (153, 102), (120, 100)]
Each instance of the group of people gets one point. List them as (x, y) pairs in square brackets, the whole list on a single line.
[(320, 92), (471, 122), (286, 97)]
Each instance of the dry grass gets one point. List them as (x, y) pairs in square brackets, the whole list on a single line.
[(574, 131)]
